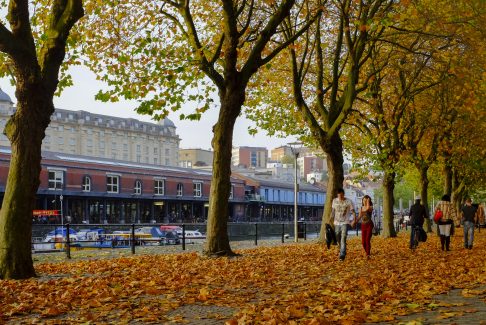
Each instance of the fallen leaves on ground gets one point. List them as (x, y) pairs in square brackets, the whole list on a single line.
[(295, 283)]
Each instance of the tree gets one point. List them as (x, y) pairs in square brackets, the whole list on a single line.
[(324, 77), (34, 60), (179, 45)]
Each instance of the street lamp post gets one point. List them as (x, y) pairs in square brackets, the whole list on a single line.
[(295, 147)]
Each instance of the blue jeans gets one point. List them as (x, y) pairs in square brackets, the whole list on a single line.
[(412, 234), (341, 236), (468, 230)]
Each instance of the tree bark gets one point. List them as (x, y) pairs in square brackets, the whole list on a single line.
[(217, 240), (447, 173), (388, 204), (424, 188), (334, 157), (25, 129)]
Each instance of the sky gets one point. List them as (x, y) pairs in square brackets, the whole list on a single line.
[(193, 134)]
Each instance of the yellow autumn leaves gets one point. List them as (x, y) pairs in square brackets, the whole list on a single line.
[(295, 283)]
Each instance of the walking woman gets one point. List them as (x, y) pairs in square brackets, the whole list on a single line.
[(366, 223), (445, 222)]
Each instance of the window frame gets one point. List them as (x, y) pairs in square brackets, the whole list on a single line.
[(197, 192), (55, 181), (138, 190), (113, 185), (180, 190), (159, 190), (86, 187)]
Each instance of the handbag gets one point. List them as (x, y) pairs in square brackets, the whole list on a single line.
[(422, 235), (438, 215)]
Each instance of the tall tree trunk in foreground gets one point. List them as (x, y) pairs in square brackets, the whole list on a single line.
[(388, 203), (36, 74), (335, 160), (217, 229)]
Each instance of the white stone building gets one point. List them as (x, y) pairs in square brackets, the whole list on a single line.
[(102, 136)]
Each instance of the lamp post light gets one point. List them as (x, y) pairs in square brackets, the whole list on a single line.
[(295, 147)]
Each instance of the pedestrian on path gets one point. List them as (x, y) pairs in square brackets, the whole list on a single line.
[(341, 207), (418, 213), (445, 223), (468, 219), (480, 214), (367, 225)]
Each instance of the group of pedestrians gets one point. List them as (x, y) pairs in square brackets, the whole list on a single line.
[(344, 216)]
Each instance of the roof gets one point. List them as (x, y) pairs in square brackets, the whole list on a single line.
[(167, 122), (4, 97), (70, 158)]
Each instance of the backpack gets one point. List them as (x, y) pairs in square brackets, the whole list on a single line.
[(330, 236), (438, 215)]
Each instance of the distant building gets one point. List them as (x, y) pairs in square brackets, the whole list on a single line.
[(311, 164), (102, 136), (278, 153), (249, 157), (190, 158)]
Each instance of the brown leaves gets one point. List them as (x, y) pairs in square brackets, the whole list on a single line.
[(288, 284)]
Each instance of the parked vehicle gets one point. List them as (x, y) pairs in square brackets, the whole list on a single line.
[(194, 236), (159, 236)]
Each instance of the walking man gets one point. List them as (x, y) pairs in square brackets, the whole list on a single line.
[(418, 213), (469, 217), (341, 207)]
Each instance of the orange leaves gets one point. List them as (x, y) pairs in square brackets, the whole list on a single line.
[(288, 284)]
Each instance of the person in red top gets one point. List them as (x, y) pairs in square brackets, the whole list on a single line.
[(365, 214)]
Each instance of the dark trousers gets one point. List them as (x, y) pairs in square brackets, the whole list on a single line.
[(366, 232)]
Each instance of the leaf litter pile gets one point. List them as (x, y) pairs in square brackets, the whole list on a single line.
[(294, 283)]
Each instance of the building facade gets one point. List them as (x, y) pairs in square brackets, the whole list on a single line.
[(249, 157), (98, 191), (189, 158), (102, 136), (310, 164), (278, 153)]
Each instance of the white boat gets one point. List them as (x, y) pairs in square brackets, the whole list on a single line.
[(194, 236)]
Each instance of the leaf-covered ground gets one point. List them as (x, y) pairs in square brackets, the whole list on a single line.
[(301, 283)]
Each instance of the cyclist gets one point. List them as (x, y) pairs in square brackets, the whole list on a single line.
[(418, 213)]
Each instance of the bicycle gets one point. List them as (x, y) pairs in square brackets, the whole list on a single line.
[(416, 237)]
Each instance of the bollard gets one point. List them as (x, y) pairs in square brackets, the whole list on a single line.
[(133, 238), (256, 234), (305, 231), (183, 237), (68, 244), (283, 232)]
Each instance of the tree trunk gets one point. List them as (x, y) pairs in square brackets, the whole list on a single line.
[(388, 204), (424, 187), (335, 160), (25, 129), (217, 241), (447, 173)]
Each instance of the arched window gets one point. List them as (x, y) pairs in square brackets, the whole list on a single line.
[(86, 184), (138, 187), (180, 189)]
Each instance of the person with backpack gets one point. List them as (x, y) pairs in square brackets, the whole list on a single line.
[(443, 216), (468, 219), (365, 214), (418, 213)]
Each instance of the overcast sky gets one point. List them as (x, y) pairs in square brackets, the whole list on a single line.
[(193, 134)]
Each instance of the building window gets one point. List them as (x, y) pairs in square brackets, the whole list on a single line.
[(232, 191), (60, 128), (159, 185), (156, 151), (266, 194), (125, 156), (112, 183), (89, 142), (125, 147), (146, 159), (113, 146), (60, 140), (197, 189), (167, 152), (138, 148), (139, 158), (102, 144), (138, 187), (86, 184), (180, 189), (155, 161), (146, 150), (56, 178), (47, 139), (72, 141)]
